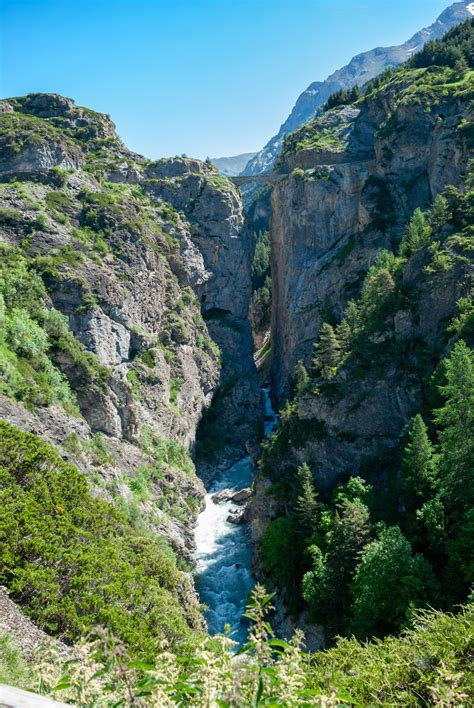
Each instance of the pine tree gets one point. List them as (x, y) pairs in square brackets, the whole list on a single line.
[(417, 235), (327, 352), (456, 418), (440, 212), (347, 330), (306, 503), (326, 587), (301, 378), (419, 466)]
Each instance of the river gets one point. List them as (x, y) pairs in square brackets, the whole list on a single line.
[(224, 550)]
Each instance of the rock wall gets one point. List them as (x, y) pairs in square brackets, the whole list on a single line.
[(341, 204), (137, 256)]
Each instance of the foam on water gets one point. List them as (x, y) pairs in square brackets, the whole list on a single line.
[(224, 550)]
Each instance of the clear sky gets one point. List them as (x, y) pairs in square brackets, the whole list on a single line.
[(201, 77)]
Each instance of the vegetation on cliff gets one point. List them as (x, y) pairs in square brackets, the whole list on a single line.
[(362, 558), (74, 561), (442, 69)]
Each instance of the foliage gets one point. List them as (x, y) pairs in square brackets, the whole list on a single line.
[(18, 131), (73, 561), (326, 352), (326, 586), (261, 260), (306, 505), (342, 97), (312, 137), (428, 665), (418, 466), (418, 232), (388, 581), (31, 335), (268, 671), (453, 50), (26, 370), (260, 305), (301, 378), (13, 670), (278, 545)]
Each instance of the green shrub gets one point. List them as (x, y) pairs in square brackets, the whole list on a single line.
[(58, 202), (72, 561)]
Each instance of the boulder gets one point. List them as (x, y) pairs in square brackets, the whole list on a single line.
[(223, 496), (236, 516), (242, 495)]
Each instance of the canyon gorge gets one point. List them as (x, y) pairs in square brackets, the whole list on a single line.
[(189, 407)]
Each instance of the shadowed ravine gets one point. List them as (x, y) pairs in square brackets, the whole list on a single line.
[(224, 550)]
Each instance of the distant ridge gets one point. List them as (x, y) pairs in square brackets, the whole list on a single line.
[(232, 166), (360, 69)]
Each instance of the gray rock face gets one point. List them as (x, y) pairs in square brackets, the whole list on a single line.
[(329, 221), (135, 267), (360, 69), (217, 257)]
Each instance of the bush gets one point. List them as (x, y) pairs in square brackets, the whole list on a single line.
[(72, 561)]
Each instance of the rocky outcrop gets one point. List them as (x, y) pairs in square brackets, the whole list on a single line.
[(221, 279), (356, 177), (26, 636), (150, 264)]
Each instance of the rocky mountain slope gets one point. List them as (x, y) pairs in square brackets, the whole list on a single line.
[(360, 69), (372, 253), (124, 294), (351, 181)]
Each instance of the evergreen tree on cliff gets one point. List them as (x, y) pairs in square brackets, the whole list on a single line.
[(306, 503), (417, 235), (327, 352), (456, 418), (419, 466)]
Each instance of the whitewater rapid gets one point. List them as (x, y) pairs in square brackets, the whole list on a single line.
[(224, 550)]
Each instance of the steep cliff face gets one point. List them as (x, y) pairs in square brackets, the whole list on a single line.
[(132, 254), (371, 244), (222, 283), (354, 177)]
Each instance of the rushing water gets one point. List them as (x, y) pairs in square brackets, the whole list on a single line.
[(224, 550)]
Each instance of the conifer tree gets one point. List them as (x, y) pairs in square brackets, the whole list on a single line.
[(327, 352), (419, 466), (301, 378), (417, 235), (440, 212), (347, 330), (456, 418), (326, 587), (306, 503)]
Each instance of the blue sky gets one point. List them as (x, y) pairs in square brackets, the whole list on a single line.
[(202, 77)]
